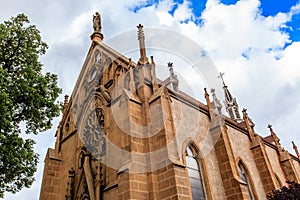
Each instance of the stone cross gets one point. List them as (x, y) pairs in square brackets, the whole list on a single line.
[(221, 76)]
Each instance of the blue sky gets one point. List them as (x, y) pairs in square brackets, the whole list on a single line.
[(255, 43), (267, 8)]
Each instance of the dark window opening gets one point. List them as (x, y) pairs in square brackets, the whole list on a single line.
[(195, 177)]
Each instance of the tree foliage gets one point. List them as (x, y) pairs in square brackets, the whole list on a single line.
[(292, 192), (26, 96)]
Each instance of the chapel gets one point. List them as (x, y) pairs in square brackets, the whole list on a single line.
[(126, 134)]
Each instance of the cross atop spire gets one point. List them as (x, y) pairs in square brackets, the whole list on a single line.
[(230, 103), (221, 76)]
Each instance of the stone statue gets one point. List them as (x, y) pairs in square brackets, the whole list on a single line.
[(105, 93), (97, 22)]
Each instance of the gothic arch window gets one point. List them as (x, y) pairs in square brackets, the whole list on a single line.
[(245, 177), (97, 56), (194, 174)]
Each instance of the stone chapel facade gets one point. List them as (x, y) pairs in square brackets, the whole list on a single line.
[(124, 134)]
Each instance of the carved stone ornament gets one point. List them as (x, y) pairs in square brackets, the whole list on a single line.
[(70, 187), (97, 57), (93, 135), (97, 22), (105, 93)]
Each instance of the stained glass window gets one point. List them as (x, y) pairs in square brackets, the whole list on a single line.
[(194, 175), (244, 177)]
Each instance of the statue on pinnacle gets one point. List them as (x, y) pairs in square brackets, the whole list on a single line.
[(97, 22)]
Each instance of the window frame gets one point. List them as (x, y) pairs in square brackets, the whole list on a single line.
[(242, 169), (195, 157)]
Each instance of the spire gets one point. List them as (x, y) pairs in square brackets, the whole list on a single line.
[(248, 122), (230, 103), (217, 106), (296, 149), (209, 106), (275, 138), (221, 76), (154, 81), (173, 78), (66, 102), (141, 37), (97, 36), (131, 84)]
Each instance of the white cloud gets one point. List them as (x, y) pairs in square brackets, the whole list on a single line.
[(295, 9), (183, 12), (77, 28), (289, 63)]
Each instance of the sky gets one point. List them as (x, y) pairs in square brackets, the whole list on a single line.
[(255, 43)]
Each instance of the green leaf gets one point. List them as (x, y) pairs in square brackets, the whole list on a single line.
[(26, 95)]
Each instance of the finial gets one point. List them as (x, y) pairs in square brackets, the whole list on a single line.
[(272, 132), (248, 122), (209, 106), (212, 90), (66, 99), (141, 37), (173, 78), (66, 102), (296, 149), (221, 76), (170, 66), (141, 34), (152, 60), (275, 138), (217, 106), (245, 115), (270, 127), (205, 92), (97, 36), (154, 81), (244, 111)]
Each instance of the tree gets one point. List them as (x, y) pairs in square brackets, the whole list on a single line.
[(286, 193), (27, 96)]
